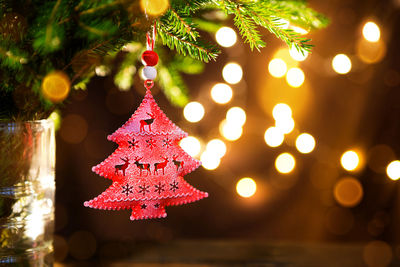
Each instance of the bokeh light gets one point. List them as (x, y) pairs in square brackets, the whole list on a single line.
[(370, 52), (305, 143), (191, 145), (246, 187), (341, 64), (73, 129), (216, 147), (273, 137), (56, 86), (281, 111), (285, 125), (371, 32), (154, 7), (350, 160), (232, 73), (277, 67), (296, 55), (226, 37), (393, 170), (230, 130), (221, 93), (193, 111), (377, 253), (295, 77), (348, 192), (285, 163), (209, 160), (236, 115)]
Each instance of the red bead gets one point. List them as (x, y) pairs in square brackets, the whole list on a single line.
[(149, 58)]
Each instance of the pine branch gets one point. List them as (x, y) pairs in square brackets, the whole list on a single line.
[(172, 85), (247, 29), (184, 45)]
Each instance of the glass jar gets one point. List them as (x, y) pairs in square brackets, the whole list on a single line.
[(27, 161)]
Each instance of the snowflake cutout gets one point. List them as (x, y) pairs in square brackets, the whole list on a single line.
[(133, 144), (144, 206), (174, 186), (159, 188), (143, 189), (127, 189), (167, 142), (151, 143), (157, 205)]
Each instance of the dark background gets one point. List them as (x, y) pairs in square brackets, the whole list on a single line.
[(359, 110)]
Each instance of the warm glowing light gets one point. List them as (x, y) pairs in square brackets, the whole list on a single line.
[(221, 93), (236, 115), (226, 37), (230, 131), (285, 125), (341, 64), (350, 160), (298, 30), (56, 86), (305, 143), (191, 145), (273, 137), (277, 67), (154, 7), (296, 55), (371, 32), (348, 192), (216, 147), (232, 73), (283, 23), (281, 111), (295, 77), (209, 160), (393, 170), (246, 187), (193, 111), (285, 163)]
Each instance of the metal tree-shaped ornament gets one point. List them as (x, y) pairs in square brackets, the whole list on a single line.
[(147, 168)]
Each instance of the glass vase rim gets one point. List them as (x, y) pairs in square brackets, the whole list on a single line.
[(41, 122)]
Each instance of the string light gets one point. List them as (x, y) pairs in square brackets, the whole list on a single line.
[(350, 160), (285, 125), (232, 73), (371, 32), (285, 163), (281, 111), (273, 137), (305, 143), (295, 77), (393, 170), (154, 7), (216, 147), (236, 115), (191, 145), (296, 55), (209, 160), (246, 187), (226, 36), (230, 131), (277, 67), (221, 93), (341, 64), (193, 111), (56, 86)]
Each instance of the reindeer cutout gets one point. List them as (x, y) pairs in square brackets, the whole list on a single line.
[(122, 167), (147, 122), (177, 162), (160, 165), (142, 166)]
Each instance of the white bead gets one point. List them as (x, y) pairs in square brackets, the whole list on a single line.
[(149, 73)]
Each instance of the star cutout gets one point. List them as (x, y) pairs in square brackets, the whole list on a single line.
[(143, 189), (144, 206), (174, 186), (159, 188), (127, 189), (157, 205)]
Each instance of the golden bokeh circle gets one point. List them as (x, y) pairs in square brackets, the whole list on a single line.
[(56, 86), (348, 192)]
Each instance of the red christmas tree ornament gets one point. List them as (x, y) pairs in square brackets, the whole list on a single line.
[(148, 166), (149, 58)]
